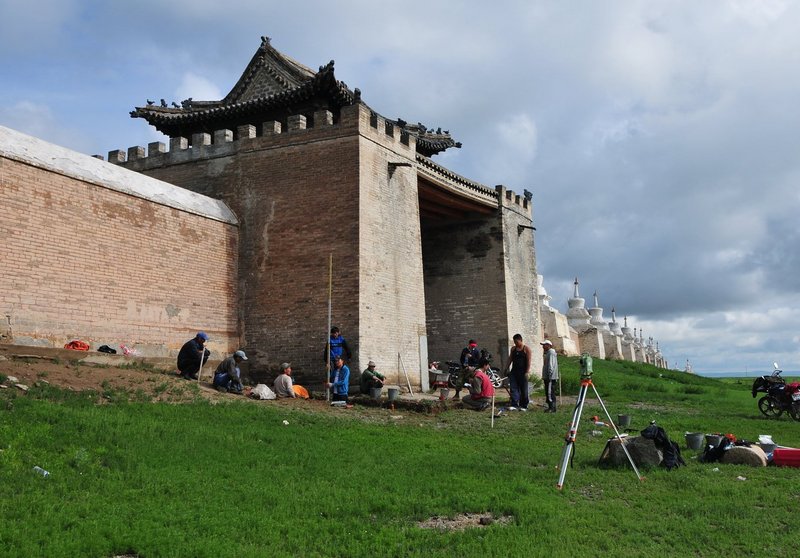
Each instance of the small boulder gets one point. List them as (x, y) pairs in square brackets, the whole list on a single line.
[(643, 452), (12, 380), (22, 387), (742, 455)]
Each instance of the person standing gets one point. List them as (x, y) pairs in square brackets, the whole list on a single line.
[(371, 378), (481, 389), (190, 355), (283, 383), (227, 376), (549, 374), (519, 362), (339, 380), (336, 347)]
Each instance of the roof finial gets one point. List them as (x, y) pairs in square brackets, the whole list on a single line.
[(265, 41), (575, 294), (595, 299)]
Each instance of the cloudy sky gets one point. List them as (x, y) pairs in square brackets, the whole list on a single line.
[(661, 140)]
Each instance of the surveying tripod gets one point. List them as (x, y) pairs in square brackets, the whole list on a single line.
[(569, 442)]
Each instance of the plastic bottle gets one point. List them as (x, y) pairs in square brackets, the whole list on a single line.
[(41, 471)]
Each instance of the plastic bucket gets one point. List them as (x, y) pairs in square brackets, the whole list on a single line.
[(714, 439), (623, 421), (694, 440), (375, 393), (393, 393)]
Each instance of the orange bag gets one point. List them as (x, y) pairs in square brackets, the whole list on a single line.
[(77, 346), (300, 391)]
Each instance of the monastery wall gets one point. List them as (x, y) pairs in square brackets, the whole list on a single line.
[(97, 253), (296, 192), (392, 297)]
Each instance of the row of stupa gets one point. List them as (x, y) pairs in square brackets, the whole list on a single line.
[(584, 330)]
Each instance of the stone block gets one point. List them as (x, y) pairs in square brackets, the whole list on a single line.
[(643, 452)]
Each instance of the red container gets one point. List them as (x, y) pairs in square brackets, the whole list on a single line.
[(786, 457)]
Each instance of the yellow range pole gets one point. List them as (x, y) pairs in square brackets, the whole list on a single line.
[(328, 332)]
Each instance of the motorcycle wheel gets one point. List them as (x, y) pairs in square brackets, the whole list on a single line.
[(769, 407), (452, 379), (794, 410)]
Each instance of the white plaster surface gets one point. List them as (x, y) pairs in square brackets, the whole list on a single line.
[(39, 153)]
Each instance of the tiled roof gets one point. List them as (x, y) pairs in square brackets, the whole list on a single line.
[(272, 87)]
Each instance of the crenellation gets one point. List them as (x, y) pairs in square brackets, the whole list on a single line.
[(296, 122), (178, 144), (156, 148), (98, 156), (135, 153), (223, 136), (200, 139), (323, 118), (270, 128), (116, 156), (245, 131)]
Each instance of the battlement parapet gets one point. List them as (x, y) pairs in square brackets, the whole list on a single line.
[(225, 142), (388, 129), (512, 198)]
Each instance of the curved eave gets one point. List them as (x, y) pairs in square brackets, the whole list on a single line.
[(454, 182), (169, 121), (431, 146)]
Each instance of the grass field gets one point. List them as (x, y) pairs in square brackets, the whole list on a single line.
[(198, 479)]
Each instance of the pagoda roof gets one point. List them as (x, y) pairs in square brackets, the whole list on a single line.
[(272, 87)]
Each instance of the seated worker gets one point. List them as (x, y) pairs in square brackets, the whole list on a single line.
[(470, 356), (227, 376), (371, 378), (339, 380), (190, 355), (481, 389), (283, 383)]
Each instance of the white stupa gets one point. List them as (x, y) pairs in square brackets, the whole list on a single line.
[(577, 316), (614, 324), (597, 316)]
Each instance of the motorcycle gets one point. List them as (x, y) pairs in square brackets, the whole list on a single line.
[(780, 395), (454, 372)]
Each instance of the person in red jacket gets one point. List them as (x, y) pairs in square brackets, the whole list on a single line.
[(481, 389)]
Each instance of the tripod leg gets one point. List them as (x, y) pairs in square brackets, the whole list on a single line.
[(614, 426), (569, 442)]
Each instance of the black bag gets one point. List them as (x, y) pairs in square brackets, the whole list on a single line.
[(107, 349), (671, 451)]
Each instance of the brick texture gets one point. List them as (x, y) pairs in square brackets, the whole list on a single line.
[(80, 261)]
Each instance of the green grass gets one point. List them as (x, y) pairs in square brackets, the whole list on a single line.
[(197, 479)]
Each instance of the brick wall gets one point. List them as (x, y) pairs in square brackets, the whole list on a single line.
[(296, 194), (391, 302), (465, 296), (82, 261)]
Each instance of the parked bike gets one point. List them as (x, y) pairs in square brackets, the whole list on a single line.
[(454, 370), (780, 395)]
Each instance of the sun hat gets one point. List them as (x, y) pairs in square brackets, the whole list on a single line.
[(240, 354), (546, 342)]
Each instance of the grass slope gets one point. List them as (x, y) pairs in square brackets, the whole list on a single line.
[(155, 479)]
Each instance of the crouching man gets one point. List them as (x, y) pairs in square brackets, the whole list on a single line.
[(227, 376), (481, 389)]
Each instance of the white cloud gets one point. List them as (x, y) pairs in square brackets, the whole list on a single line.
[(197, 87)]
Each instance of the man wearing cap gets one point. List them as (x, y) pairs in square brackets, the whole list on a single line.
[(227, 376), (190, 355), (371, 378), (519, 364), (339, 380), (283, 383), (549, 374)]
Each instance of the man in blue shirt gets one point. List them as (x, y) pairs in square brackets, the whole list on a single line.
[(336, 347), (339, 381)]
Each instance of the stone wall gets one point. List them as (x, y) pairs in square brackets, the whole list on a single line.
[(93, 252)]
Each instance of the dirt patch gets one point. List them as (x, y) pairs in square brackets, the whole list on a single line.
[(464, 521)]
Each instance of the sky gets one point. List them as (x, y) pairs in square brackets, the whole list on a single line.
[(661, 140)]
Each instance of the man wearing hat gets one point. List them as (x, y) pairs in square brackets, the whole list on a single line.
[(371, 378), (283, 383), (190, 355), (549, 374), (227, 376)]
